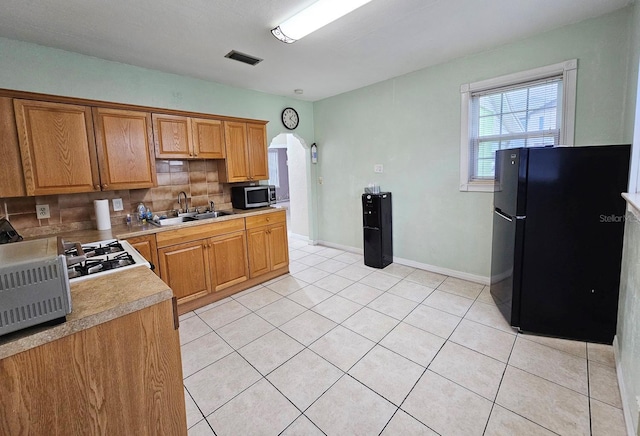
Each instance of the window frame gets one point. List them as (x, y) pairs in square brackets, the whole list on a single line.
[(568, 69)]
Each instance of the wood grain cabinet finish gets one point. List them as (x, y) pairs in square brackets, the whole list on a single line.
[(123, 377), (179, 137), (125, 149), (69, 148), (246, 148), (228, 260), (57, 147), (11, 174), (147, 247), (267, 243), (185, 268), (195, 268)]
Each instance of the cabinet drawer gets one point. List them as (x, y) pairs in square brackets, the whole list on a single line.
[(266, 219), (193, 233)]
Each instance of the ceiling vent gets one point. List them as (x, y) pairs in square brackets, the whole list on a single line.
[(241, 57)]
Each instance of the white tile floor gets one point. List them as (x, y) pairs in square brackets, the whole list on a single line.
[(338, 348)]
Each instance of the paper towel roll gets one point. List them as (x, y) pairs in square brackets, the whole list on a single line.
[(103, 220)]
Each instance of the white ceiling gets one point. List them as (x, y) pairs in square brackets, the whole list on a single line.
[(382, 39)]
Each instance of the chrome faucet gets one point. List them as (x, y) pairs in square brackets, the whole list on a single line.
[(212, 206), (186, 201)]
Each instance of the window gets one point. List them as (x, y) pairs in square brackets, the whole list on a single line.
[(274, 174), (530, 109)]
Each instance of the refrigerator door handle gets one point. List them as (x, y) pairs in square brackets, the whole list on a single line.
[(503, 216)]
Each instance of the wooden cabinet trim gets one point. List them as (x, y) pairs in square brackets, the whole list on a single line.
[(266, 219), (11, 172), (186, 234), (114, 105)]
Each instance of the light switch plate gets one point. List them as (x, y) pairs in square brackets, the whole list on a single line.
[(377, 168), (320, 180), (117, 204), (42, 211)]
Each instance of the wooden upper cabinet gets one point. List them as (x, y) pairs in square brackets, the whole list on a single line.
[(208, 138), (57, 147), (246, 146), (172, 136), (235, 168), (257, 146), (125, 151), (178, 137), (11, 173)]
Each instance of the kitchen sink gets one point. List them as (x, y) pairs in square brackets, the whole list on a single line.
[(188, 217), (216, 214), (172, 221)]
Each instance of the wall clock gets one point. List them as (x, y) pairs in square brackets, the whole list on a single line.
[(290, 118)]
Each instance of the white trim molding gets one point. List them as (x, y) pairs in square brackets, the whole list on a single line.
[(569, 71), (419, 265)]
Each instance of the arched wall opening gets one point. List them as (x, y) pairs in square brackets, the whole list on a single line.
[(289, 168)]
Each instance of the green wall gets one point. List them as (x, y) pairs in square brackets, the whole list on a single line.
[(411, 125), (34, 68)]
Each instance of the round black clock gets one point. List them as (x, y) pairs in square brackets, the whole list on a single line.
[(290, 118)]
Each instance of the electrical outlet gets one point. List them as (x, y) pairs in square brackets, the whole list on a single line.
[(117, 204), (42, 211), (320, 180), (377, 168)]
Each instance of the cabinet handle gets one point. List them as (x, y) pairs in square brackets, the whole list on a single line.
[(105, 186), (97, 187), (268, 219)]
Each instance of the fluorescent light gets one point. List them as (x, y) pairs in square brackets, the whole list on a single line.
[(314, 17)]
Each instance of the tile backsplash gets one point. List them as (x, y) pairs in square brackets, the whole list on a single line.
[(198, 178)]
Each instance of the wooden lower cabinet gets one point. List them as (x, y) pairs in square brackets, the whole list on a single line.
[(267, 243), (123, 377), (146, 246), (194, 269), (185, 268), (228, 260)]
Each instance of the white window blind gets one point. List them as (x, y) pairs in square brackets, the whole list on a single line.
[(523, 115)]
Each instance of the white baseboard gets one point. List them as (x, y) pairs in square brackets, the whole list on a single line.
[(412, 263), (445, 271), (341, 247), (627, 409), (301, 238)]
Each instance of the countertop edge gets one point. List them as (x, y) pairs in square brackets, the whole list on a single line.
[(70, 327)]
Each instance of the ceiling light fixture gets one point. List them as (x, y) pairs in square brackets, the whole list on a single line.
[(314, 17)]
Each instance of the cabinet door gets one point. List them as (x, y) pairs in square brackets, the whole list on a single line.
[(125, 154), (185, 268), (208, 138), (11, 172), (278, 246), (228, 260), (257, 147), (121, 377), (171, 134), (57, 146), (258, 248), (237, 161), (146, 246)]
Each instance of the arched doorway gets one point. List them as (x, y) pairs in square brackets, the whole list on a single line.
[(290, 173)]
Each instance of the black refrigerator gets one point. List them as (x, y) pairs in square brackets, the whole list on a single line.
[(378, 240), (558, 225)]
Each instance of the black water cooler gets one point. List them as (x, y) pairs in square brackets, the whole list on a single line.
[(378, 243)]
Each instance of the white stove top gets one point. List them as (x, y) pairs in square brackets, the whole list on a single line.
[(101, 258)]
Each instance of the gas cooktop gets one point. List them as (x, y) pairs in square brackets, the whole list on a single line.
[(86, 261)]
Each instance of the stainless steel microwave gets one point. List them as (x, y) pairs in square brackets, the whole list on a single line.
[(248, 197)]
